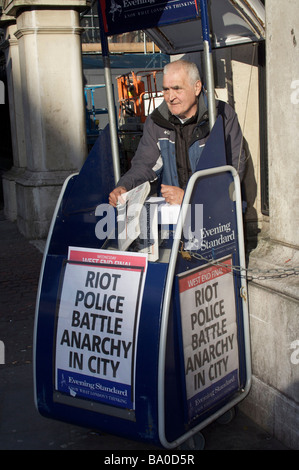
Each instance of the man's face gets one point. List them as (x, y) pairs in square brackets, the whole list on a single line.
[(180, 95)]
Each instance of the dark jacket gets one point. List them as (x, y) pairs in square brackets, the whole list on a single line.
[(171, 150)]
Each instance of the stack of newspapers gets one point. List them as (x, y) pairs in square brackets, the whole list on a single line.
[(139, 218)]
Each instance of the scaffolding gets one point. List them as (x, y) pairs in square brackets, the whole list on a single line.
[(138, 96)]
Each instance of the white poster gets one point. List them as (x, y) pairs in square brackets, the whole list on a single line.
[(209, 329), (97, 325)]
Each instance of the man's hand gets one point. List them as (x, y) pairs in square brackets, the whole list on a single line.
[(115, 195), (172, 194)]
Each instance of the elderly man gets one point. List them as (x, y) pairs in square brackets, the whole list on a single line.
[(175, 134)]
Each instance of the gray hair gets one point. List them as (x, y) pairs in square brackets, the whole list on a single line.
[(190, 67)]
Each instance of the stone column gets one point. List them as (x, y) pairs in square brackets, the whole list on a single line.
[(11, 50), (283, 121), (53, 105)]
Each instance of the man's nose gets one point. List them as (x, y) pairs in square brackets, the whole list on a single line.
[(172, 95)]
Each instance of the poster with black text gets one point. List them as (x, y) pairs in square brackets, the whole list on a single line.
[(209, 332), (97, 325)]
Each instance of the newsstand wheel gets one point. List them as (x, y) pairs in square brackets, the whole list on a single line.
[(196, 442), (227, 417)]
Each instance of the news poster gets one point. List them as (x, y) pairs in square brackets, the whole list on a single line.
[(209, 335), (123, 16), (97, 325)]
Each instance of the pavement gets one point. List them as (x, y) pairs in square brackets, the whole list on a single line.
[(21, 426)]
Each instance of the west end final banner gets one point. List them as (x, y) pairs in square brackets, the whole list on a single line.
[(120, 16), (209, 330)]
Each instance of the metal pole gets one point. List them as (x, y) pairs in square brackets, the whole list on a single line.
[(110, 99), (208, 62)]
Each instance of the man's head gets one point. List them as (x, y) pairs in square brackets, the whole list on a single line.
[(181, 88)]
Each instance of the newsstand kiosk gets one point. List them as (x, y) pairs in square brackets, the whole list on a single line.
[(149, 350)]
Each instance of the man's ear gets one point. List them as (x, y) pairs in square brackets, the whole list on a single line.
[(198, 87)]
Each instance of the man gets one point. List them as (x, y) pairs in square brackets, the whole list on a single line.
[(174, 136)]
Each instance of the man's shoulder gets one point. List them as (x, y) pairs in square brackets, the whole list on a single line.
[(224, 109)]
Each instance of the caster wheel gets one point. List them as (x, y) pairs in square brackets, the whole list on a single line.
[(227, 417), (196, 442)]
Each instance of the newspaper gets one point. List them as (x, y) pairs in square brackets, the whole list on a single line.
[(129, 208), (139, 219), (148, 240)]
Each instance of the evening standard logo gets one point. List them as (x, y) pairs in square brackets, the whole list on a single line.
[(216, 236), (136, 3), (2, 93), (2, 353), (114, 8), (95, 386)]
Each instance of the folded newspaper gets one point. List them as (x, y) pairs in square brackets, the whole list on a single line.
[(129, 209)]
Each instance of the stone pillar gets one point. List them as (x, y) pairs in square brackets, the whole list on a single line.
[(53, 105), (283, 121), (274, 292), (11, 50)]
